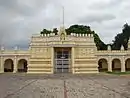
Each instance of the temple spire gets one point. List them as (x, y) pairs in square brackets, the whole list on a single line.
[(62, 32)]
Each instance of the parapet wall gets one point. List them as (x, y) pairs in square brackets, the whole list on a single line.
[(81, 35), (72, 34), (14, 52)]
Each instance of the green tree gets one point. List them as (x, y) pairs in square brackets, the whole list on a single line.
[(122, 38), (55, 31), (81, 29), (78, 29), (45, 31)]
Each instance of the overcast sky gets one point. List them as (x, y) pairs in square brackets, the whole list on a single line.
[(19, 19)]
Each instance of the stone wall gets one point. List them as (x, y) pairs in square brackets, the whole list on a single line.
[(84, 55)]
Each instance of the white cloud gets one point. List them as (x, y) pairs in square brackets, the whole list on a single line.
[(22, 18)]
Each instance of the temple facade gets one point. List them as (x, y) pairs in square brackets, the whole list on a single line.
[(62, 53)]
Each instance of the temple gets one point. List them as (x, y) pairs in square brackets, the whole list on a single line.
[(62, 53)]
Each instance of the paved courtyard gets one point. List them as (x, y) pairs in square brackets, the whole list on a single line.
[(64, 86)]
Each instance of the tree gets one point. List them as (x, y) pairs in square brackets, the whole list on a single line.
[(122, 38), (81, 29), (78, 29), (45, 31), (55, 31)]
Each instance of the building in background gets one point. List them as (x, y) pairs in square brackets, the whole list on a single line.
[(62, 53)]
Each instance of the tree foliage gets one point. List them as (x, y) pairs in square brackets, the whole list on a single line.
[(45, 31), (81, 29), (55, 31), (122, 38)]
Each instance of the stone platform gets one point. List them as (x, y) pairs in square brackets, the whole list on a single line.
[(64, 86)]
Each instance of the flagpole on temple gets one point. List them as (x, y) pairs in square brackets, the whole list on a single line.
[(63, 16)]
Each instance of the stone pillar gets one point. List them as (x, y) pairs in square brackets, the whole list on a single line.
[(122, 64), (72, 58), (1, 65), (52, 59), (15, 65), (109, 64)]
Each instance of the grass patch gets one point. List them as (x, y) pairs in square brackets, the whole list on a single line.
[(119, 73)]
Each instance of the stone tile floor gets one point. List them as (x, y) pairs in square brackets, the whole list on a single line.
[(64, 86)]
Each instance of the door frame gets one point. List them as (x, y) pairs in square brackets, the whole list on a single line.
[(69, 59)]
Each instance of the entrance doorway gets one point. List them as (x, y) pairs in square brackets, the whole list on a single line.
[(62, 60)]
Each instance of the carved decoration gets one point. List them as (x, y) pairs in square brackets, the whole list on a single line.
[(62, 36), (62, 33), (83, 52)]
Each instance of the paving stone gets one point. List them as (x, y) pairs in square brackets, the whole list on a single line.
[(60, 86)]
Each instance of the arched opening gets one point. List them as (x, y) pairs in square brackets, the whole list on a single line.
[(8, 65), (116, 65), (127, 64), (103, 65), (22, 65)]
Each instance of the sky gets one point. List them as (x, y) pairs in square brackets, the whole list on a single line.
[(19, 19)]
